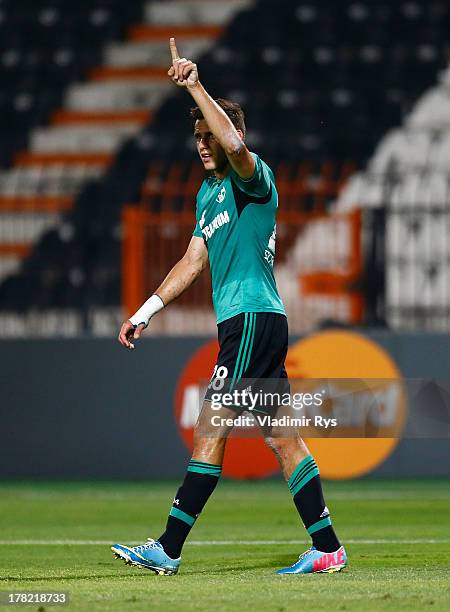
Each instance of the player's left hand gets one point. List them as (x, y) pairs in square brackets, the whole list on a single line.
[(183, 72)]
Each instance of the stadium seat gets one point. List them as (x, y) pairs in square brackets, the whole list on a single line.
[(412, 170), (84, 85)]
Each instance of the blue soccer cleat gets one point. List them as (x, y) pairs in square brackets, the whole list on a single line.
[(313, 561), (150, 556)]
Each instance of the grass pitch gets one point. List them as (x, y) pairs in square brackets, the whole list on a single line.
[(56, 537)]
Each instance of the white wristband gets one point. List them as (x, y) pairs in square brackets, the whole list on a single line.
[(153, 305)]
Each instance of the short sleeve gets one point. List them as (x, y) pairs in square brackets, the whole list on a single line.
[(257, 185), (197, 231)]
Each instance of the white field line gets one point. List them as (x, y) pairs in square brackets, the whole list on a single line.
[(441, 495), (223, 542)]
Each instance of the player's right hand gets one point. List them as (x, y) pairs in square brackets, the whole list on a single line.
[(183, 72), (129, 332)]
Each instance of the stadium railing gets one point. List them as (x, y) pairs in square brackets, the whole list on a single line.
[(153, 241)]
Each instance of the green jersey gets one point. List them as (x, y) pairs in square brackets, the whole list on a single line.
[(237, 220)]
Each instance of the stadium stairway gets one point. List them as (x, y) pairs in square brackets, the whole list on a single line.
[(97, 117), (408, 178), (340, 77), (46, 46)]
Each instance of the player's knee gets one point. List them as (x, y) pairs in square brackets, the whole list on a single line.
[(280, 446)]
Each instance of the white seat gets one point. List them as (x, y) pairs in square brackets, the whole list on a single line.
[(402, 150), (133, 54), (420, 190), (416, 148), (186, 12), (407, 191), (323, 245), (439, 192), (401, 285), (120, 94), (410, 175), (361, 190), (435, 291), (46, 180), (81, 138), (387, 150), (350, 195), (25, 228), (441, 152), (432, 110), (418, 236)]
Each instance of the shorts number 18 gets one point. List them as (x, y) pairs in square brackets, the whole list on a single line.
[(217, 381)]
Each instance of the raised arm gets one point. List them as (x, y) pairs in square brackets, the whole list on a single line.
[(184, 73), (180, 277)]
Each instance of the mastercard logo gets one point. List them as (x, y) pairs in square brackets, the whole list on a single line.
[(333, 354)]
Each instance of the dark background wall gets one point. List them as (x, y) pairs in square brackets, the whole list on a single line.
[(86, 408)]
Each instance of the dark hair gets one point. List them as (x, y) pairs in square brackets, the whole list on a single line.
[(232, 109)]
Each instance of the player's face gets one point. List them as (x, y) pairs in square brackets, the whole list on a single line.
[(210, 151)]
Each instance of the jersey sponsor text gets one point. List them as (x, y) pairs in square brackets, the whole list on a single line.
[(219, 220)]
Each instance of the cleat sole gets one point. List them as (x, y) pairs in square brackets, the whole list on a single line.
[(331, 570)]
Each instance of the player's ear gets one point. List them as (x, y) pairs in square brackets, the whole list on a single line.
[(241, 134)]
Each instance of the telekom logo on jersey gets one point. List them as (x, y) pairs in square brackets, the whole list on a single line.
[(219, 220)]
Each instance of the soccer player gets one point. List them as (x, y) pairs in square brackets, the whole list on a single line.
[(235, 230)]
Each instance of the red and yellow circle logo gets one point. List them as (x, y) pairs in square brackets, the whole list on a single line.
[(347, 355), (244, 457), (333, 354)]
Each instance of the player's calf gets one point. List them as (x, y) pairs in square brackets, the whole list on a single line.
[(306, 489)]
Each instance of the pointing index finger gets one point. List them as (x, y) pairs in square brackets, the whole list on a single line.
[(173, 49)]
